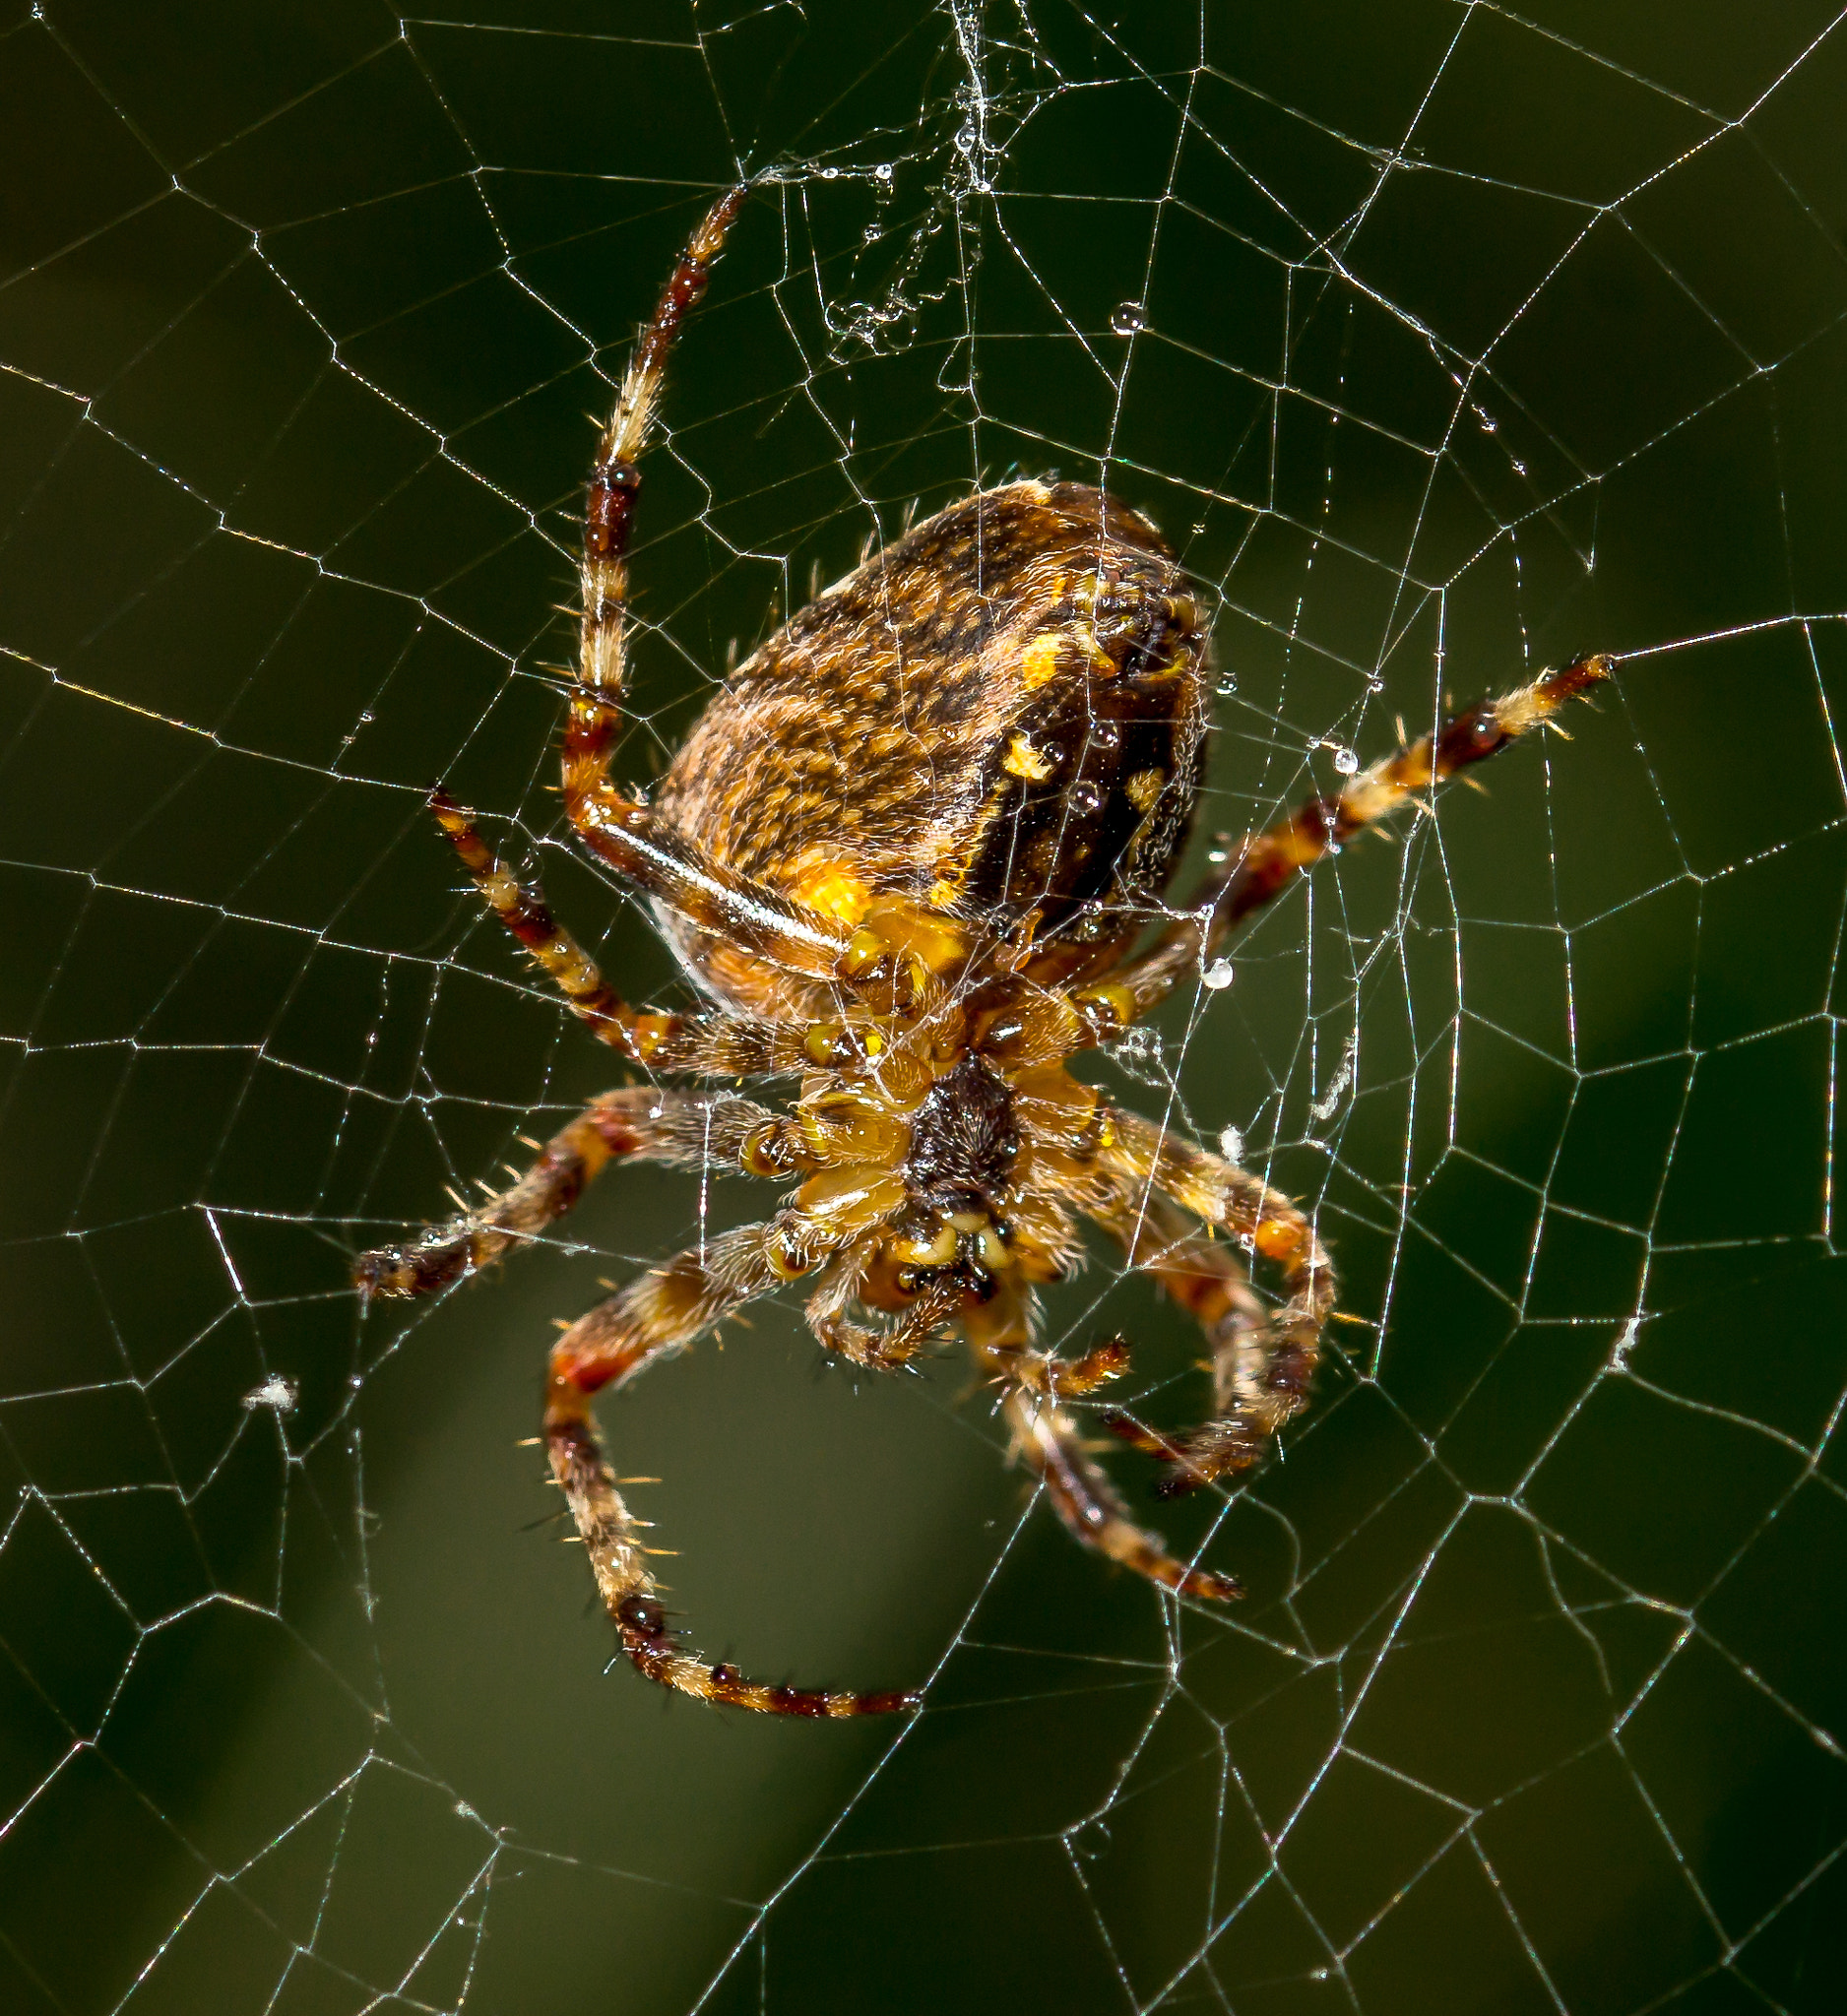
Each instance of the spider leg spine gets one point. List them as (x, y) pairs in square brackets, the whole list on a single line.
[(1276, 856), (639, 1122), (1050, 1376), (527, 916), (717, 1045), (612, 822)]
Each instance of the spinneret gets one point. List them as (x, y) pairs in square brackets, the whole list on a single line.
[(909, 850)]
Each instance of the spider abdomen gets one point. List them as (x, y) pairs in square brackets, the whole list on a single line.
[(1001, 712)]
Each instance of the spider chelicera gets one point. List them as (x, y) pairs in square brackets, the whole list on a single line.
[(908, 852)]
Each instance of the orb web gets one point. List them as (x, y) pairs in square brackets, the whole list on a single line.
[(1444, 342)]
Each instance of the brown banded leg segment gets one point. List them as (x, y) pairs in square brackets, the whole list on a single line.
[(1260, 1381), (712, 1045), (609, 510), (656, 1315), (1047, 1439), (687, 1129), (1267, 862), (1052, 1377), (1206, 1280), (614, 823)]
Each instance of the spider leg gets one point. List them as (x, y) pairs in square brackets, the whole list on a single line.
[(1210, 1282), (1047, 1439), (714, 1045), (656, 1315), (1262, 1377), (641, 1121), (1053, 1377), (614, 823), (1266, 862)]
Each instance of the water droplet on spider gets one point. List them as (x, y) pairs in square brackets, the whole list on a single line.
[(1219, 974), (884, 172), (1346, 762), (830, 174), (1087, 798), (1227, 686), (1127, 317)]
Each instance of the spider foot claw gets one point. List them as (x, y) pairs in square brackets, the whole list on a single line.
[(1103, 1361), (1046, 1373), (648, 1638), (1180, 1484), (1210, 1584), (725, 1685), (419, 1267)]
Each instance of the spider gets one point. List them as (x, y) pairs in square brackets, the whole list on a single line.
[(907, 853)]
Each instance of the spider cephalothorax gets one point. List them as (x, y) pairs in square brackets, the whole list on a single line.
[(907, 853)]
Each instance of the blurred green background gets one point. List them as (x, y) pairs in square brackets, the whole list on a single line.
[(1443, 344)]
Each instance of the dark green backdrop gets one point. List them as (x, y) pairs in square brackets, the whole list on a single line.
[(1445, 343)]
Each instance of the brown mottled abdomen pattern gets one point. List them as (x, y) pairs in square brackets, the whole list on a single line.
[(1002, 711)]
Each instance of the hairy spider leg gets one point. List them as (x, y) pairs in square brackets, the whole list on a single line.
[(612, 822), (712, 1045), (1264, 1393), (1047, 1440), (1264, 863), (1209, 1282), (639, 1122), (659, 1313), (1048, 1374), (1263, 1366)]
